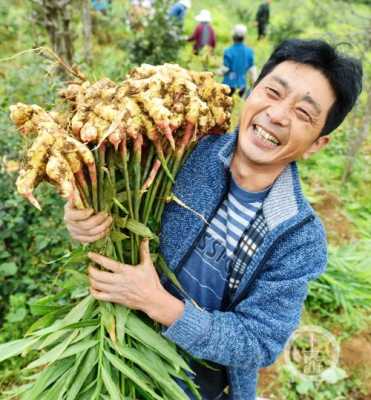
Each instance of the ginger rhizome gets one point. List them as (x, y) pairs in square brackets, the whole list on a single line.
[(168, 106)]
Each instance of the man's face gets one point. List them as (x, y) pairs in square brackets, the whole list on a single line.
[(282, 118)]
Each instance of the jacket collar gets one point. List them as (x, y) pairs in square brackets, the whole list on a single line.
[(284, 198)]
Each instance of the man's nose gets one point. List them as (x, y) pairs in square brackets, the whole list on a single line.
[(279, 113)]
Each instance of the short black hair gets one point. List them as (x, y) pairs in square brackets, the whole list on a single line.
[(344, 73), (238, 38)]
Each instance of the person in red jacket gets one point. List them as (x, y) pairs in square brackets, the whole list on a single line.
[(203, 34)]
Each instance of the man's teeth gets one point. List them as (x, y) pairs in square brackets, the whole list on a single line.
[(266, 136)]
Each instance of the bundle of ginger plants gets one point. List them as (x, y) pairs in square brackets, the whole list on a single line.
[(115, 148)]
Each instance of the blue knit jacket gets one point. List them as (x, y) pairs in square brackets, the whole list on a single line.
[(268, 303)]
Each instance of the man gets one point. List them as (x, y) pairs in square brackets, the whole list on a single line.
[(262, 18), (249, 267), (101, 6), (179, 10), (238, 61), (204, 34)]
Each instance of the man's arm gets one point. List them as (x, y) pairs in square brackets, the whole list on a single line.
[(195, 35), (255, 332)]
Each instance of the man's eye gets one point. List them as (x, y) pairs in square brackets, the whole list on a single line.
[(272, 92), (304, 114)]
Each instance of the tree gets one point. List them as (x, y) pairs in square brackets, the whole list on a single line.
[(87, 31), (159, 38), (55, 17), (355, 39)]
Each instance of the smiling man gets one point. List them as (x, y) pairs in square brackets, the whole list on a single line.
[(249, 267)]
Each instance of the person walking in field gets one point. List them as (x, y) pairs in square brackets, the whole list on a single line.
[(100, 6), (238, 61), (248, 261), (179, 10), (204, 34), (262, 18)]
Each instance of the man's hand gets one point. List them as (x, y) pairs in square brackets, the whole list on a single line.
[(137, 287), (84, 225)]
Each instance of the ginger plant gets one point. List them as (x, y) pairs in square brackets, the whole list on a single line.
[(114, 148)]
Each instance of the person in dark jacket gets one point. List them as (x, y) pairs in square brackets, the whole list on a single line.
[(248, 260), (238, 61), (262, 18), (204, 34)]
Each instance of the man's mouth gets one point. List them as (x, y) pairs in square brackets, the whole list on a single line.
[(264, 135)]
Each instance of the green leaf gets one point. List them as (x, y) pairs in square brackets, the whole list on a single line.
[(86, 367), (120, 206), (120, 222), (78, 348), (8, 269), (121, 314), (108, 319), (191, 384), (41, 309), (117, 236), (130, 373), (143, 333), (47, 377), (18, 315), (47, 319), (82, 324), (74, 316), (122, 196), (152, 364), (51, 338), (112, 389), (54, 354), (80, 279), (16, 392), (161, 264), (85, 332), (139, 229), (90, 386), (47, 304), (16, 347), (333, 375), (88, 395), (54, 392), (70, 376), (304, 386), (79, 292)]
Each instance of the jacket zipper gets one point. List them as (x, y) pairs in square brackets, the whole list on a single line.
[(259, 268)]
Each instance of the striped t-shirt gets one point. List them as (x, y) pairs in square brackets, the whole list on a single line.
[(204, 275)]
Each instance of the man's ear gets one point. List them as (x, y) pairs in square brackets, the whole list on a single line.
[(320, 143)]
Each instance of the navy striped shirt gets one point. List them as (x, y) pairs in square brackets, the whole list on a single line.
[(204, 275)]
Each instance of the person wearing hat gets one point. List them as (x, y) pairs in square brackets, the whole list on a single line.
[(238, 61), (203, 34), (179, 10)]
